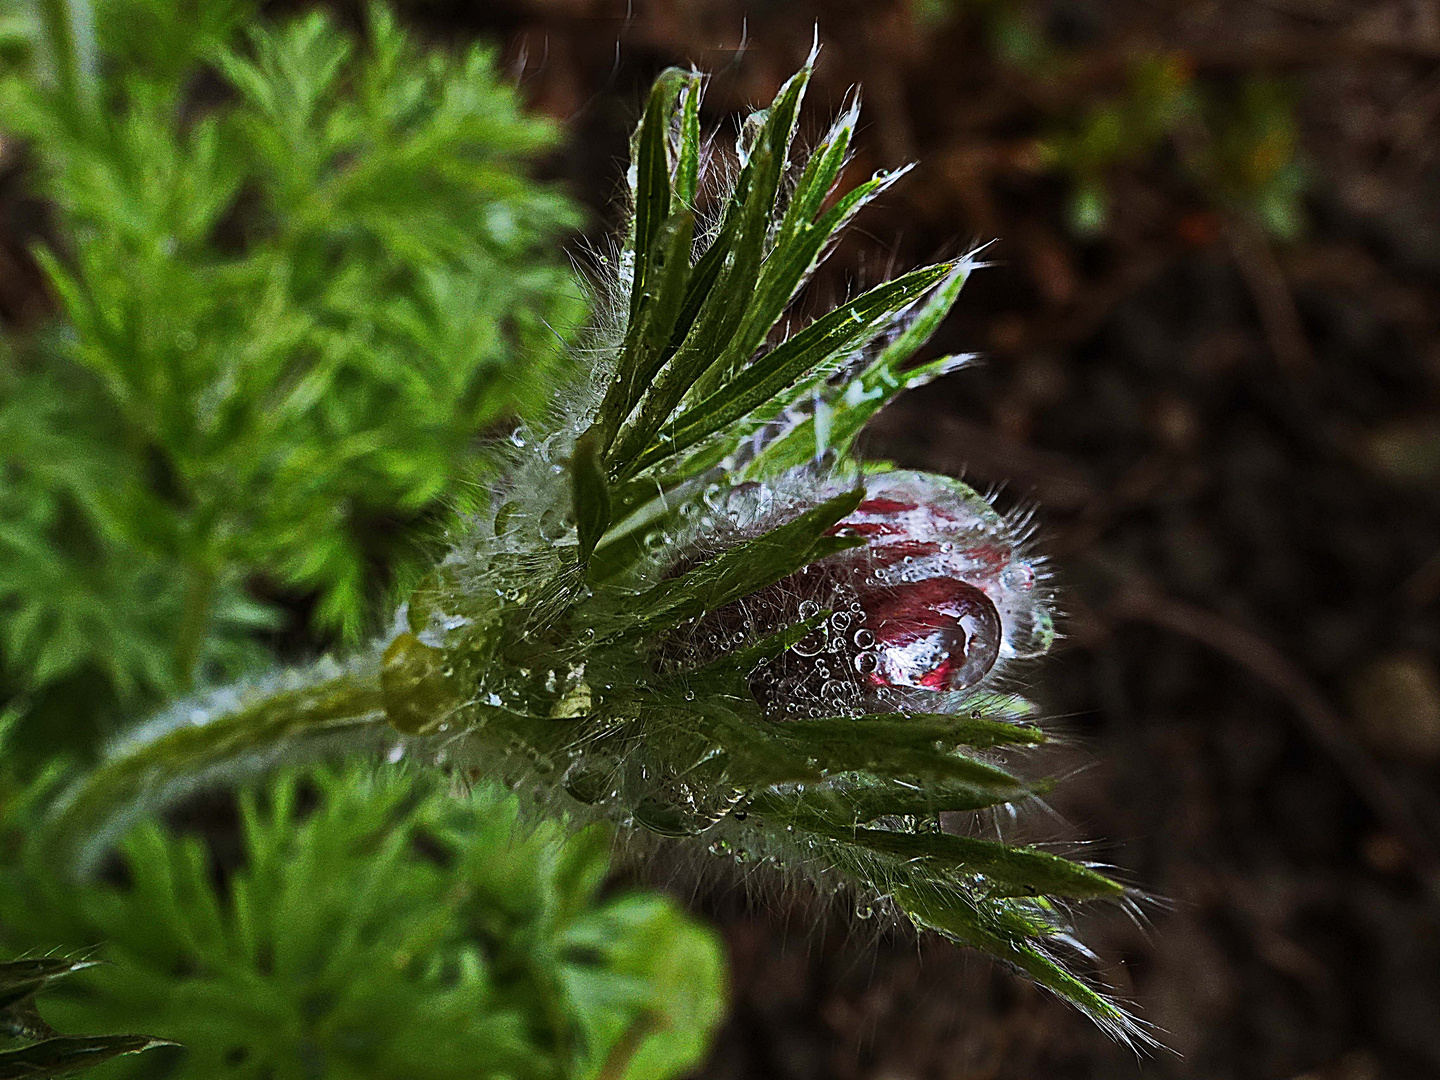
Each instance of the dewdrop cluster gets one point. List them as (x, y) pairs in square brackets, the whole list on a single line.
[(941, 600)]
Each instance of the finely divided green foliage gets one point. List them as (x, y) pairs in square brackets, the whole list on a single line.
[(285, 317), (392, 930), (547, 649)]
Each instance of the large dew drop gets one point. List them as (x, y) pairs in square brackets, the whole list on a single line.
[(935, 634)]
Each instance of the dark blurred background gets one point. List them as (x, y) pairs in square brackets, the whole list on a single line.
[(1211, 339)]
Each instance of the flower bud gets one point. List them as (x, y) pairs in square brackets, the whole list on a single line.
[(936, 599)]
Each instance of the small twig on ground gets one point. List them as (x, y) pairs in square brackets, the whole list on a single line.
[(1274, 300), (1321, 722)]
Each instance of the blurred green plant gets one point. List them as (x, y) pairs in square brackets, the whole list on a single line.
[(1235, 143), (1251, 164), (1127, 129), (1237, 147), (298, 277), (29, 1047), (375, 927), (1010, 30)]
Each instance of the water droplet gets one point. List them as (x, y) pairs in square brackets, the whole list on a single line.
[(553, 524), (590, 781), (812, 644), (1018, 575), (672, 818), (505, 517), (938, 633)]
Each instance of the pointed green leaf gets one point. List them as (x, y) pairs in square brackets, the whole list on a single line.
[(816, 349), (650, 155), (849, 409), (590, 491), (650, 329), (1025, 869), (726, 301), (820, 173), (687, 158), (788, 267), (978, 732), (20, 979), (855, 801), (67, 1055), (951, 914), (918, 751)]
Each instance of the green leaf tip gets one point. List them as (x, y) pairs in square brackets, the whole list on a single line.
[(47, 1053)]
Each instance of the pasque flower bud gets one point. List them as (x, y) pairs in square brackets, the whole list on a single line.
[(937, 599)]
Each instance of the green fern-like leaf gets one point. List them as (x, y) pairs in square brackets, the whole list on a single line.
[(394, 930), (285, 322)]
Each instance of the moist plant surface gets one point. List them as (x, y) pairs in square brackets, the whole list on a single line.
[(688, 608)]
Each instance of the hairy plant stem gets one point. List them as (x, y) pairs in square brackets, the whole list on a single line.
[(346, 703)]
